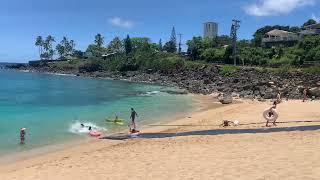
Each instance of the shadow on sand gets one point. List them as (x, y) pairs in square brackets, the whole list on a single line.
[(215, 132)]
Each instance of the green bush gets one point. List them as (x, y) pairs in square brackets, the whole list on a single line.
[(227, 69), (192, 65), (289, 60), (91, 66), (312, 70)]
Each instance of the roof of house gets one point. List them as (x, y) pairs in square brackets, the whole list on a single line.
[(277, 32), (313, 26)]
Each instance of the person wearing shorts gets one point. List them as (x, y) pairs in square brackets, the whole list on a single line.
[(133, 118)]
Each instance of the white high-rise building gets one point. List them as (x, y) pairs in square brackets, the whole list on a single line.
[(210, 30)]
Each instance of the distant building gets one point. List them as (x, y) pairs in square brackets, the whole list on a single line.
[(210, 30), (313, 29), (276, 37)]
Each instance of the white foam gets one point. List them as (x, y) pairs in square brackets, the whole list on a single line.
[(61, 74), (76, 127), (150, 93)]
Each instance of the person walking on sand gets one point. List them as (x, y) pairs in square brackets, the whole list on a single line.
[(305, 94), (279, 98), (133, 118), (22, 135), (272, 114)]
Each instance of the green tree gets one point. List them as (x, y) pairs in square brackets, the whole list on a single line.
[(65, 48), (141, 44), (212, 54), (99, 40), (39, 42), (170, 47), (195, 47), (78, 54), (223, 40), (95, 50), (61, 50), (309, 22), (47, 45), (173, 37), (128, 45), (115, 45), (71, 47), (160, 45)]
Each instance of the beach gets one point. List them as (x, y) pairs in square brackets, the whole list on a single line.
[(193, 147)]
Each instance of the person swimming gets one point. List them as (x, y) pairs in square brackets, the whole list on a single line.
[(83, 126)]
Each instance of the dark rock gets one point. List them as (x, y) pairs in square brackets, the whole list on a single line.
[(177, 92), (315, 92)]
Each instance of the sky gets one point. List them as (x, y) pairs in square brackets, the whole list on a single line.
[(21, 21)]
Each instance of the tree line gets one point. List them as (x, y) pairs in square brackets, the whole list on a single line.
[(66, 48), (132, 51)]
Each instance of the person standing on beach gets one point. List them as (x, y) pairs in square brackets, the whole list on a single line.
[(22, 135), (279, 98), (305, 94), (133, 118), (271, 114)]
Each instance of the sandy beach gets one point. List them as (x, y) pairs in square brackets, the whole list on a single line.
[(194, 147)]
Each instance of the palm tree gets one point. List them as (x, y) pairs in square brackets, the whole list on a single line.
[(39, 43), (61, 50), (72, 46), (99, 40), (48, 46)]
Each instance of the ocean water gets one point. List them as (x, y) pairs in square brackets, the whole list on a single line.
[(52, 107)]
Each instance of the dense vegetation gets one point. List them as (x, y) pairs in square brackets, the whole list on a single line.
[(139, 53)]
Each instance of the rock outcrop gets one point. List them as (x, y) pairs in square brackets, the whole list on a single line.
[(225, 98)]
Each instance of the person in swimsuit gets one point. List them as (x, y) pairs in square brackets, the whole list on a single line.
[(22, 135), (270, 114), (133, 118)]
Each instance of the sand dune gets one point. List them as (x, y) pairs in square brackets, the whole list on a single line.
[(194, 147)]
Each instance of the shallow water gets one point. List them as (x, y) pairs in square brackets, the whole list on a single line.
[(52, 107)]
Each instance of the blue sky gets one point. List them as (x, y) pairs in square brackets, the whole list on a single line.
[(21, 21)]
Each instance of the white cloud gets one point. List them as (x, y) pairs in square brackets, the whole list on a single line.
[(118, 22), (275, 7), (316, 18)]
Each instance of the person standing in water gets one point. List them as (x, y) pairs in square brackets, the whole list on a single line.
[(22, 135), (133, 118)]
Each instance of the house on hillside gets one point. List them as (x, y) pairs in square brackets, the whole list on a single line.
[(313, 29), (276, 37)]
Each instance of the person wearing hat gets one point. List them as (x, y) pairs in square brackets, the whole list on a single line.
[(22, 135)]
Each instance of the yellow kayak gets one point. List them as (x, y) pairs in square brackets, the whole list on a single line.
[(118, 121)]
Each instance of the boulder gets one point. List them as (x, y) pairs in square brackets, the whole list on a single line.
[(269, 94), (177, 92), (315, 91), (225, 99), (215, 94)]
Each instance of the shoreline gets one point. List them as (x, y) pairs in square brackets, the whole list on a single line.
[(47, 149), (246, 82), (195, 143)]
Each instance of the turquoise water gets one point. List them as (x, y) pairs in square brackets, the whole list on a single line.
[(52, 107)]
